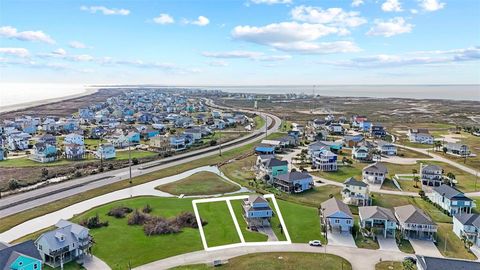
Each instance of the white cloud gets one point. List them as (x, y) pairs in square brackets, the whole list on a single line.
[(164, 19), (357, 3), (413, 11), (18, 52), (431, 5), (421, 58), (392, 6), (105, 10), (331, 16), (389, 28), (60, 51), (218, 63), (271, 2), (13, 33), (294, 37), (62, 54), (201, 21), (257, 56), (77, 45)]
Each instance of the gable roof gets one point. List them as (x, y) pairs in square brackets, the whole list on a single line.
[(274, 162), (354, 182), (469, 219), (376, 212), (9, 254), (434, 263), (411, 214), (256, 199), (292, 176), (376, 167), (431, 168), (450, 193), (333, 205)]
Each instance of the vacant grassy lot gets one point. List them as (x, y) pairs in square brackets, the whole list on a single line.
[(240, 171), (249, 236), (276, 225), (220, 229), (313, 197), (120, 244), (450, 245), (201, 183), (303, 222), (343, 172), (279, 260), (405, 153), (473, 143)]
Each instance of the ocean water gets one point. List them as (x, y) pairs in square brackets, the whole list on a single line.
[(18, 93)]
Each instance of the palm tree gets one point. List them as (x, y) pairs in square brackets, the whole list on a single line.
[(416, 179), (437, 145), (414, 172), (450, 177)]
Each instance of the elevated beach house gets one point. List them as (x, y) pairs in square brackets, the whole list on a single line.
[(271, 168), (451, 200), (420, 135), (386, 148), (379, 218), (375, 173), (68, 242), (336, 215), (324, 160), (431, 175), (21, 256), (257, 211), (467, 225), (106, 151), (293, 182), (458, 149), (74, 146), (356, 192), (414, 223)]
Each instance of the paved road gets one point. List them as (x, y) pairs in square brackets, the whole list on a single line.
[(69, 188), (361, 259)]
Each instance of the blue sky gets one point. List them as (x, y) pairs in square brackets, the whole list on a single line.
[(247, 42)]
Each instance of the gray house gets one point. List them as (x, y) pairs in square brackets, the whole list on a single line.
[(434, 263), (414, 223), (68, 242), (379, 218), (336, 215)]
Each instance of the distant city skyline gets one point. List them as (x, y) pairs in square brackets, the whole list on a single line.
[(248, 42)]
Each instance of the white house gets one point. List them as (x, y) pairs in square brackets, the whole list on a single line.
[(74, 146), (356, 192), (375, 173), (451, 200), (467, 225), (387, 148), (431, 175), (336, 215), (420, 136), (414, 223)]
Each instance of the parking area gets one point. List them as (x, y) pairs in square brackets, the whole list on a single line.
[(425, 247), (387, 244), (341, 239)]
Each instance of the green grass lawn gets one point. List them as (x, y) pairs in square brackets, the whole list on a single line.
[(405, 153), (454, 246), (390, 201), (249, 236), (313, 197), (201, 183), (240, 170), (389, 265), (276, 225), (123, 155), (25, 162), (360, 240), (68, 266), (259, 121), (389, 185), (405, 246), (343, 172), (303, 222), (220, 229), (473, 143), (118, 244), (279, 260)]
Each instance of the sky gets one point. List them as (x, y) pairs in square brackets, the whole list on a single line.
[(246, 42)]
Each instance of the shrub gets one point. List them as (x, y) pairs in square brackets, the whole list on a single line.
[(93, 222), (213, 142), (13, 184), (135, 161), (160, 225), (119, 212), (188, 219), (78, 174), (138, 218), (110, 166), (147, 209), (44, 172)]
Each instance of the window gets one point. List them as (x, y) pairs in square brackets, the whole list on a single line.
[(337, 221), (349, 221), (35, 266)]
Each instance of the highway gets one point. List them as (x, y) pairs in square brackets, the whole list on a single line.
[(17, 203)]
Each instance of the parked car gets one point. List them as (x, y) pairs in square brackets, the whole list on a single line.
[(315, 243)]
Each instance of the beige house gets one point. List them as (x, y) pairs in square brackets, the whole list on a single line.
[(356, 192)]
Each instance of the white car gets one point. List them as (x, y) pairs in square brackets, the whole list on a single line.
[(315, 243)]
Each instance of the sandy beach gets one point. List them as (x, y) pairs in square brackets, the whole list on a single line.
[(21, 106)]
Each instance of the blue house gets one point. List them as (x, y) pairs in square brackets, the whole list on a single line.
[(177, 143), (2, 154), (257, 211), (133, 137), (365, 126), (21, 256), (377, 131), (293, 182), (44, 152), (149, 133), (264, 149), (106, 151), (336, 215), (451, 200)]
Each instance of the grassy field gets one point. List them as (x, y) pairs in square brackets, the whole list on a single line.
[(279, 260), (276, 225), (259, 121), (313, 197), (10, 221), (241, 170), (68, 266), (473, 143), (220, 229), (405, 153), (123, 155), (343, 172), (120, 244), (201, 183), (303, 222), (389, 265), (450, 245), (249, 236)]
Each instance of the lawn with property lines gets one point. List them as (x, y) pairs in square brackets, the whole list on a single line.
[(220, 229), (249, 236)]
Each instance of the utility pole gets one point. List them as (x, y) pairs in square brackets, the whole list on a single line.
[(130, 161), (266, 126), (220, 144)]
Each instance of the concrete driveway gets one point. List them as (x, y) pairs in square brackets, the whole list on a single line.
[(387, 243), (344, 239), (425, 247)]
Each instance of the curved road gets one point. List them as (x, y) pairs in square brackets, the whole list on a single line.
[(17, 203)]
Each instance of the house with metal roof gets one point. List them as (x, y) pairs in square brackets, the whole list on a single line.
[(435, 263), (271, 168), (68, 242), (386, 148), (467, 225), (21, 256), (381, 219), (257, 211), (356, 192), (458, 149), (336, 215), (414, 223), (451, 200), (375, 173), (293, 182), (431, 175)]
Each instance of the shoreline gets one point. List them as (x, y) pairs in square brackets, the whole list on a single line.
[(27, 105)]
